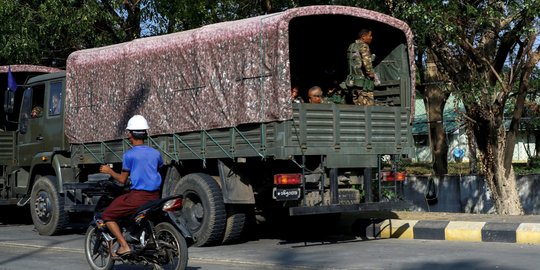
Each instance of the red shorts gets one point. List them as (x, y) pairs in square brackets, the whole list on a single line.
[(127, 204)]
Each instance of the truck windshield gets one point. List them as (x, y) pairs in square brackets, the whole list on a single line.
[(55, 99)]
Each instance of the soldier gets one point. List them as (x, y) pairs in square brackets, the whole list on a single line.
[(36, 112), (295, 95), (335, 94), (360, 81), (315, 95)]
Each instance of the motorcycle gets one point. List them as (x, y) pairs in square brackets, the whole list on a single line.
[(163, 246)]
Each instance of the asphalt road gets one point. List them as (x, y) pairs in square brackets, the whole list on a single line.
[(22, 248)]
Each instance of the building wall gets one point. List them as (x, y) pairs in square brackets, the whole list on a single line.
[(458, 138), (422, 152)]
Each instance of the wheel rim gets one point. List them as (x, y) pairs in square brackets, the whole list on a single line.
[(43, 207), (193, 211), (171, 248), (99, 255)]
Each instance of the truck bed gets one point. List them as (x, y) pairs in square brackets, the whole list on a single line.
[(338, 131)]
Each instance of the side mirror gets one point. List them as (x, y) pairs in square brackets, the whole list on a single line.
[(9, 101)]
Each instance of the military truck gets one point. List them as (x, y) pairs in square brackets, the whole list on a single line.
[(217, 99)]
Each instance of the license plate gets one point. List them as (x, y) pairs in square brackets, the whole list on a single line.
[(286, 194)]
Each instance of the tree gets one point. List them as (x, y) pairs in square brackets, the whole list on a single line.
[(487, 49), (172, 16), (435, 98), (46, 32)]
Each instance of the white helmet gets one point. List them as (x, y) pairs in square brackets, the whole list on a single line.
[(137, 122)]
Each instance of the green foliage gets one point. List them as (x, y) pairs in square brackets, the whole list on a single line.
[(17, 38), (63, 28), (46, 32), (524, 169), (467, 34)]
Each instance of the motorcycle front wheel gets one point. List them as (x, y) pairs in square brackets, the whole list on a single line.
[(96, 250), (173, 246)]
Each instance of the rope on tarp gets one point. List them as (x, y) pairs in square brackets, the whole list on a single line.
[(159, 147), (262, 155), (217, 144), (91, 153), (185, 144), (125, 145), (106, 146)]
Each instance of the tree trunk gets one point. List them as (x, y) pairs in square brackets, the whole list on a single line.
[(132, 25), (439, 145), (491, 140), (503, 189), (435, 99), (473, 153), (513, 130)]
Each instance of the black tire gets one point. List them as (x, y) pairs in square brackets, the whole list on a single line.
[(203, 210), (47, 207), (237, 218), (174, 246), (98, 257)]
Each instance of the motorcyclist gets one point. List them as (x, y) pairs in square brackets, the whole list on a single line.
[(141, 164)]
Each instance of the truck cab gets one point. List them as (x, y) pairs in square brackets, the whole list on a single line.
[(40, 118), (32, 148)]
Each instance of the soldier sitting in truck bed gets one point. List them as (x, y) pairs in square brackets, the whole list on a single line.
[(315, 95)]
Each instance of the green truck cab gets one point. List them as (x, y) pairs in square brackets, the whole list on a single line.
[(220, 113)]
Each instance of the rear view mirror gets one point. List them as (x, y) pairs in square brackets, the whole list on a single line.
[(9, 101)]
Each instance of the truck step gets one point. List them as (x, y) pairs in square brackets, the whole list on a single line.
[(23, 201)]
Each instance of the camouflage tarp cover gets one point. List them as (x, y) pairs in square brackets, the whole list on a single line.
[(216, 76)]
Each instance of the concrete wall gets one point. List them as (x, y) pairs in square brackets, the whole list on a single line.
[(466, 194)]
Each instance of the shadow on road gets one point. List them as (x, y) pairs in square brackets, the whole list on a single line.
[(312, 230), (12, 215), (316, 229)]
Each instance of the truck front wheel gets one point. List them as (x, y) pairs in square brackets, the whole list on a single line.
[(203, 210), (47, 207)]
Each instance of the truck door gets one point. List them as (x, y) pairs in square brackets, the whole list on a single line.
[(53, 129), (31, 123)]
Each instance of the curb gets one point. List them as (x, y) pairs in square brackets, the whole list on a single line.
[(465, 231)]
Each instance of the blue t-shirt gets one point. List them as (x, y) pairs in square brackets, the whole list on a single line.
[(142, 162)]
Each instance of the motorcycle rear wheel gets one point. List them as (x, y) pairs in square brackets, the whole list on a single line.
[(96, 250), (174, 246)]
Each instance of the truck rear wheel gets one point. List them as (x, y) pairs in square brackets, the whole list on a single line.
[(46, 207), (239, 217), (203, 210)]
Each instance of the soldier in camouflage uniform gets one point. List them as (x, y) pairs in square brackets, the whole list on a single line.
[(335, 94), (360, 81)]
